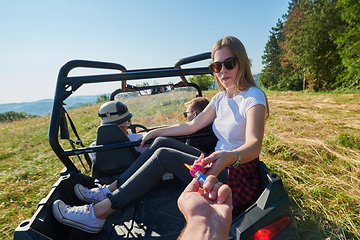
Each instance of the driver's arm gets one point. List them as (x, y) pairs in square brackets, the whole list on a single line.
[(202, 120)]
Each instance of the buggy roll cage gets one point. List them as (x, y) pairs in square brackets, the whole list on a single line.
[(66, 86)]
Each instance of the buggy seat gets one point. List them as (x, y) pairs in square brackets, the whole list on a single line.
[(115, 161)]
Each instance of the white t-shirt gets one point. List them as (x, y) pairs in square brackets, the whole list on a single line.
[(230, 122)]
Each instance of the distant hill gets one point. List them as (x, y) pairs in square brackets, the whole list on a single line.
[(43, 107)]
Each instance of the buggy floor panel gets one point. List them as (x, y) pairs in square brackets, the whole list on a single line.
[(154, 216)]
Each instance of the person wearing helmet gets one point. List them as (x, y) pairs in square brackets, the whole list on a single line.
[(116, 113)]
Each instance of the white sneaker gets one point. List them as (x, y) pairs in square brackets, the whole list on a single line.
[(93, 195), (77, 217)]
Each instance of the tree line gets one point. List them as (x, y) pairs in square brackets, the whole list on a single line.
[(315, 46), (14, 116)]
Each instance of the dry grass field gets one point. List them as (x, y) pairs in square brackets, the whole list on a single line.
[(312, 142)]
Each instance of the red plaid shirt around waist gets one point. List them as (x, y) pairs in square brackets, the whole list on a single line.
[(244, 182)]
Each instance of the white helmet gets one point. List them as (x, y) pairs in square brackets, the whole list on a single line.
[(114, 112)]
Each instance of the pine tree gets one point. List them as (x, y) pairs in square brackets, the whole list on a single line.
[(272, 70)]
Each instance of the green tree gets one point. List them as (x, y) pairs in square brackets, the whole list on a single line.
[(272, 70), (293, 73), (205, 82), (279, 73), (14, 116), (103, 98), (348, 42), (311, 40)]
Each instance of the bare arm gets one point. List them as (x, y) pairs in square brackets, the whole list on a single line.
[(202, 120), (255, 127)]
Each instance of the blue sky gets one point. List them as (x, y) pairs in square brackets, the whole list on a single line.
[(38, 37)]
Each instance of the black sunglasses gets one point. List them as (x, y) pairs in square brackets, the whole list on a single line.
[(186, 114), (229, 64)]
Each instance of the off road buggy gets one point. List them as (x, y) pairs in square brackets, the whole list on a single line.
[(154, 215)]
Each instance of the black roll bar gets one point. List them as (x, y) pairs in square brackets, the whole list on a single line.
[(99, 148), (191, 59), (66, 86)]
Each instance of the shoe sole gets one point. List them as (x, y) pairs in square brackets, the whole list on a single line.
[(58, 215), (81, 197)]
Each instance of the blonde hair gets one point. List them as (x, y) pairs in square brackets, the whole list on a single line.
[(244, 78)]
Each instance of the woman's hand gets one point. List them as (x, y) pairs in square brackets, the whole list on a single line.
[(218, 161), (200, 160), (148, 136)]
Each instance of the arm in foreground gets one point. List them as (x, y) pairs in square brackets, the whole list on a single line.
[(207, 210)]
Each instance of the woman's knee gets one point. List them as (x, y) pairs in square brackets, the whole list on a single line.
[(161, 141), (163, 151)]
